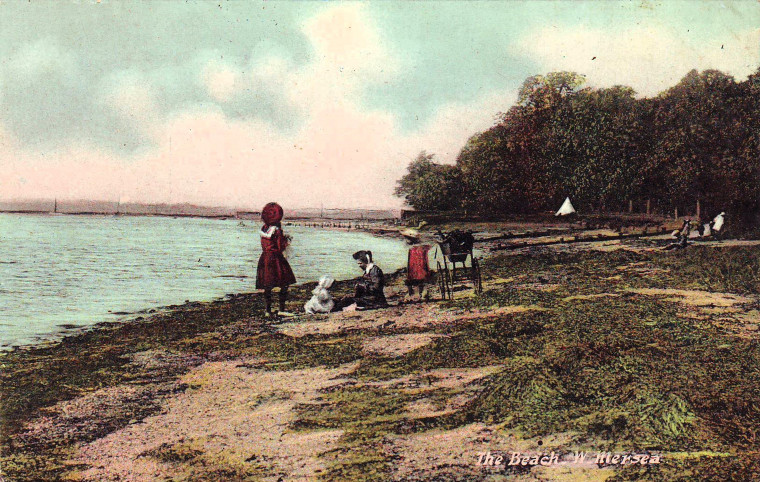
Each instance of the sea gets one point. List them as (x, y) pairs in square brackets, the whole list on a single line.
[(64, 272)]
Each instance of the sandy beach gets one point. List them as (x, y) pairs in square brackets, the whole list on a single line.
[(593, 347)]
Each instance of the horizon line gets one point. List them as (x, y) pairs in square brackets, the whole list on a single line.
[(244, 208)]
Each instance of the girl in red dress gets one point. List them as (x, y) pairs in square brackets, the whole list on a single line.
[(273, 270)]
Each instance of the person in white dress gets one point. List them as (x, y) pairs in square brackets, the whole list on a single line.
[(717, 223), (322, 301)]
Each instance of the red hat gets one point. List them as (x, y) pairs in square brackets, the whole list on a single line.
[(272, 213)]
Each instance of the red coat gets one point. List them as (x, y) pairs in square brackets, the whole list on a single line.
[(273, 270)]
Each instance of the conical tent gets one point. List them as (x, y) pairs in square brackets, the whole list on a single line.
[(566, 209)]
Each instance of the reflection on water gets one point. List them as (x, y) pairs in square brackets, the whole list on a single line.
[(79, 270)]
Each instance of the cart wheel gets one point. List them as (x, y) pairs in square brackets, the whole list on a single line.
[(441, 279), (449, 282), (476, 276)]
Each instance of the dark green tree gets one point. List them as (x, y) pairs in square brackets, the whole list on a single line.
[(706, 142), (698, 141), (594, 147), (429, 186), (506, 169)]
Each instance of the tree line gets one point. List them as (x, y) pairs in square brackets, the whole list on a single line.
[(698, 141)]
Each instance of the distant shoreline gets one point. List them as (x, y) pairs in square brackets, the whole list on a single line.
[(245, 217)]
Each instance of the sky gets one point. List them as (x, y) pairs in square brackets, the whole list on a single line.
[(309, 103)]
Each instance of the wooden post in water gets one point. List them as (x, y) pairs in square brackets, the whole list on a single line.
[(648, 200)]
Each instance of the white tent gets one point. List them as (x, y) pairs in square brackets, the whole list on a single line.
[(566, 209)]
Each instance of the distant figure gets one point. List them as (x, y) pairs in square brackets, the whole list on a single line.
[(716, 225), (322, 301), (368, 292), (703, 229), (683, 237), (273, 270)]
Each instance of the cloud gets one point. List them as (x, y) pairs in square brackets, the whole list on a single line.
[(349, 55), (346, 42), (42, 58), (242, 131), (270, 71), (130, 96), (648, 58), (70, 173), (448, 131), (222, 81)]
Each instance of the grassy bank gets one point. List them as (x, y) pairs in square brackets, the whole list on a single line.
[(619, 351)]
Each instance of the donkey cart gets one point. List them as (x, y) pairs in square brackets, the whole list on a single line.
[(456, 249)]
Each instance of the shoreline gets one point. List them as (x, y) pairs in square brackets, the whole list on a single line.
[(50, 339), (487, 247), (59, 331)]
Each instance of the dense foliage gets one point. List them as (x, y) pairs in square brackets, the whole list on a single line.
[(697, 141), (430, 186)]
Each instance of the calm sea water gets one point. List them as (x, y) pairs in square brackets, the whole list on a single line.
[(79, 270)]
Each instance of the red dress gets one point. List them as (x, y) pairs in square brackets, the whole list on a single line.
[(418, 270), (274, 270)]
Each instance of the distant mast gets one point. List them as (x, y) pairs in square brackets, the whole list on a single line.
[(55, 206)]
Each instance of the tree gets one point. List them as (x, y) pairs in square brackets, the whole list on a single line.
[(705, 128), (544, 91), (428, 186), (697, 141), (594, 147), (507, 167)]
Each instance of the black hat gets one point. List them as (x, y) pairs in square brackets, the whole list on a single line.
[(363, 255)]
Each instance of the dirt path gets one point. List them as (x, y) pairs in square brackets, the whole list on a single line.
[(232, 421)]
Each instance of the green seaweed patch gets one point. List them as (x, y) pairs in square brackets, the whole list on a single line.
[(734, 269), (506, 296), (31, 382), (627, 371), (190, 459), (368, 416), (283, 352), (34, 466), (354, 406), (579, 265), (480, 343)]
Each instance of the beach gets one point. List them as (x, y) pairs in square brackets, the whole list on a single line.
[(601, 347)]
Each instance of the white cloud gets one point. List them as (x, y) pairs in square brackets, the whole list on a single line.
[(350, 54), (222, 81), (448, 131), (342, 154), (648, 58), (70, 173), (131, 96), (346, 42), (270, 71)]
